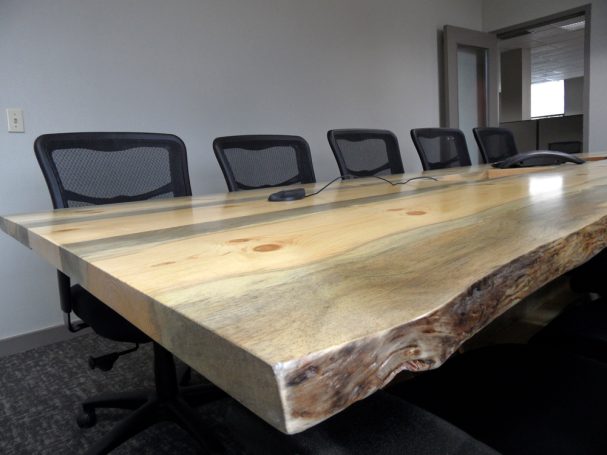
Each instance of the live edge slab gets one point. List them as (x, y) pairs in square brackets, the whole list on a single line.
[(299, 309)]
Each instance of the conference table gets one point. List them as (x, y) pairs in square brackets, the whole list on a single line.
[(299, 309)]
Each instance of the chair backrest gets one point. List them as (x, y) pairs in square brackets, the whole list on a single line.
[(83, 169), (566, 146), (439, 148), (105, 168), (362, 152), (263, 161), (495, 144)]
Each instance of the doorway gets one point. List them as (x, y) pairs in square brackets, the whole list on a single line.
[(544, 81), (537, 62)]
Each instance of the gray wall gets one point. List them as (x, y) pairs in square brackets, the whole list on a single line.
[(201, 69), (515, 97), (574, 96)]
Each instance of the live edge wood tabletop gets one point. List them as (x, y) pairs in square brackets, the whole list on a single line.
[(298, 309)]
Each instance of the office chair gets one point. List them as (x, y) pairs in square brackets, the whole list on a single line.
[(363, 153), (495, 144), (582, 327), (519, 399), (380, 424), (263, 161), (566, 146), (83, 169), (440, 148)]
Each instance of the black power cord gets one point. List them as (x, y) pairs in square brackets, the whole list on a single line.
[(341, 177), (299, 193), (402, 182)]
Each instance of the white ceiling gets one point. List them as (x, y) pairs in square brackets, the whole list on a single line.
[(556, 53)]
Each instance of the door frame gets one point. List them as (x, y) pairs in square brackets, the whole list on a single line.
[(453, 36)]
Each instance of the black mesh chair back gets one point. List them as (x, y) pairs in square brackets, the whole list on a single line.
[(440, 148), (566, 146), (495, 144), (104, 168), (84, 169), (263, 161), (362, 153)]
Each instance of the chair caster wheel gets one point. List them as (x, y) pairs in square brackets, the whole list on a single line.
[(86, 419)]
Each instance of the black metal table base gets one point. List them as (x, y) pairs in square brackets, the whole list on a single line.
[(167, 403)]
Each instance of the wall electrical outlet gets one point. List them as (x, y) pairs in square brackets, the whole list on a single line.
[(15, 120)]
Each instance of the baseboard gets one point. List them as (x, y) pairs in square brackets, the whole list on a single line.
[(31, 340)]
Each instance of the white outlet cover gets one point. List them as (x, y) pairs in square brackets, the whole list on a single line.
[(15, 120)]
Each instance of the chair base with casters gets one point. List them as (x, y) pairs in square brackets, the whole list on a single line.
[(167, 402)]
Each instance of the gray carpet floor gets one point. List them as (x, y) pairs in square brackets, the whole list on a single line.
[(41, 390)]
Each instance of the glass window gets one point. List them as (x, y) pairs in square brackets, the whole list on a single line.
[(547, 98)]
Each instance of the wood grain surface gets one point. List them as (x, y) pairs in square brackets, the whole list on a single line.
[(299, 309)]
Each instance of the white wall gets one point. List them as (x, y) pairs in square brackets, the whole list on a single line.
[(201, 69), (499, 14)]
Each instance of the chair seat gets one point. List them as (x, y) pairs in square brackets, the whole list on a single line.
[(520, 399), (380, 424), (102, 319)]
